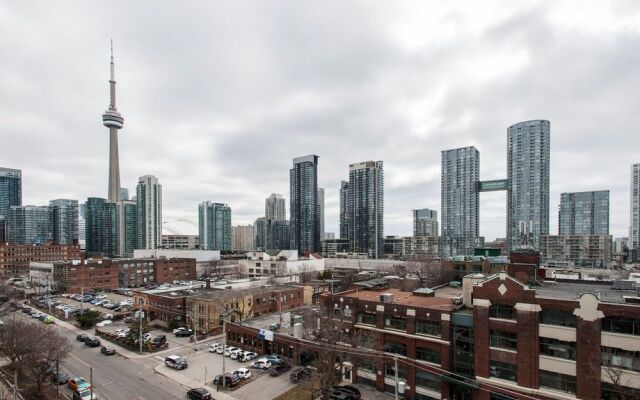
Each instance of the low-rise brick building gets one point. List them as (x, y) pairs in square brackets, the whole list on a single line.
[(15, 259), (136, 272), (85, 275)]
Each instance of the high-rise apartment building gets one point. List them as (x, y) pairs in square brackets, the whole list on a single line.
[(321, 211), (305, 219), (82, 226), (584, 213), (278, 235), (10, 189), (528, 176), (366, 208), (425, 222), (274, 208), (64, 221), (101, 227), (634, 225), (460, 201), (29, 225), (124, 194), (243, 237), (127, 227), (260, 234), (214, 222), (149, 204), (344, 210)]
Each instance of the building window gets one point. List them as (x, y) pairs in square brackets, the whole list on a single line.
[(396, 348), (502, 311), (558, 348), (618, 392), (503, 370), (337, 314), (390, 371), (503, 340), (347, 313), (624, 325), (367, 318), (367, 365), (620, 359), (558, 317), (556, 381), (427, 354), (393, 322), (428, 380), (429, 328)]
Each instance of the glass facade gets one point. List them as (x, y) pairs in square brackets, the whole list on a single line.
[(127, 227), (584, 213), (425, 222), (149, 209), (259, 234), (460, 201), (528, 166), (634, 225), (101, 227), (29, 225), (303, 206), (366, 208), (10, 189), (214, 222), (64, 221), (502, 370), (557, 381), (344, 210)]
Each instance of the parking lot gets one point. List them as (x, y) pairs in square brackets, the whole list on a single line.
[(204, 366), (172, 340)]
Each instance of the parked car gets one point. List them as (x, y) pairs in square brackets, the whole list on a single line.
[(230, 380), (108, 350), (184, 333), (48, 319), (229, 350), (181, 328), (277, 370), (82, 337), (122, 333), (60, 378), (78, 383), (159, 340), (198, 394), (249, 355), (92, 342), (175, 362), (262, 363), (234, 354), (274, 358), (242, 373), (221, 349), (349, 390), (84, 394), (213, 347)]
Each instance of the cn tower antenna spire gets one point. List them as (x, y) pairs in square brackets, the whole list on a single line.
[(113, 120)]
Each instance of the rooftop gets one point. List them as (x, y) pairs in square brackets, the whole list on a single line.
[(406, 299), (573, 291)]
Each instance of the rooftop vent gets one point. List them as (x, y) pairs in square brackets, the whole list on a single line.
[(386, 298)]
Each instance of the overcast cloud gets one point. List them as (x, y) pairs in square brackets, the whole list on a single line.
[(218, 97)]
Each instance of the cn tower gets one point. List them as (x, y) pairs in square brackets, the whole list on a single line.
[(114, 121)]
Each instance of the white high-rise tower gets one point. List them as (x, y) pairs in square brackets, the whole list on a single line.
[(113, 120)]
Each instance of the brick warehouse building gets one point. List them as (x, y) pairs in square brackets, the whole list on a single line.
[(15, 259), (505, 341)]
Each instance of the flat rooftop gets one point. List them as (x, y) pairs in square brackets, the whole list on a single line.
[(573, 291), (406, 299)]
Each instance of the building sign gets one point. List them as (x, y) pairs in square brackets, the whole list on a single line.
[(490, 186), (265, 334)]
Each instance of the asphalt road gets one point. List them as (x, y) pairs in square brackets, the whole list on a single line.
[(117, 378)]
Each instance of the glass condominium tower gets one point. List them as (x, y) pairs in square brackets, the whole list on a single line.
[(10, 189), (303, 205), (528, 166), (344, 210), (149, 210), (634, 226), (64, 221), (425, 222), (584, 213), (366, 208), (459, 201), (214, 223)]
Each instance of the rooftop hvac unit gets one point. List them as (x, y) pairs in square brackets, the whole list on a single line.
[(386, 298)]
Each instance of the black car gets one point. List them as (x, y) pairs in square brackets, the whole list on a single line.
[(352, 392), (92, 342), (61, 378), (159, 341), (198, 394), (337, 395), (26, 310), (175, 362), (230, 380), (184, 333), (277, 370), (82, 337), (108, 350)]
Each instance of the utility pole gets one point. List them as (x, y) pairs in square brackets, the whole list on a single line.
[(91, 382), (205, 373), (224, 348), (15, 386), (57, 377), (140, 338), (395, 361), (82, 299)]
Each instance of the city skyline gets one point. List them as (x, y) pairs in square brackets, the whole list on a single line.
[(408, 138)]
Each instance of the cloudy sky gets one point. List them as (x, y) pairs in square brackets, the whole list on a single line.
[(218, 97)]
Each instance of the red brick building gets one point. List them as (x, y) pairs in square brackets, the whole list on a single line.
[(137, 272), (85, 275), (15, 259)]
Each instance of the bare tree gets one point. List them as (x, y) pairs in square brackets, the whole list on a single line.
[(336, 340), (427, 270), (613, 372)]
